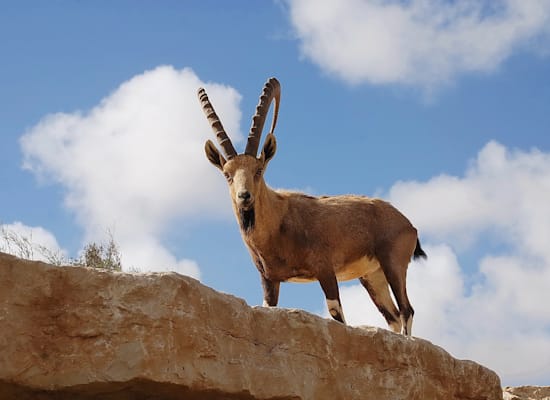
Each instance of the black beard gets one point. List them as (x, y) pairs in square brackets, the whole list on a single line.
[(247, 218)]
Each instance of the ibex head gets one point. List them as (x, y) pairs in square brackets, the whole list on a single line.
[(244, 172)]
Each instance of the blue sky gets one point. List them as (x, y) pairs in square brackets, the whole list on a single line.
[(441, 108)]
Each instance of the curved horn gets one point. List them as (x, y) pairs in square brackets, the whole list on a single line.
[(272, 90), (216, 125)]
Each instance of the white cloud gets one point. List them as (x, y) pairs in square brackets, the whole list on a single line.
[(417, 42), (494, 307), (30, 242), (146, 251), (135, 163), (504, 192)]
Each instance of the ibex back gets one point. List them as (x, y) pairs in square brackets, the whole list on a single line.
[(294, 237)]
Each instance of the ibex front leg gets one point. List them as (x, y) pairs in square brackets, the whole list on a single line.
[(271, 292), (329, 284)]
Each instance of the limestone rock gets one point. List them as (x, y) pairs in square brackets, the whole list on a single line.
[(78, 333), (527, 393)]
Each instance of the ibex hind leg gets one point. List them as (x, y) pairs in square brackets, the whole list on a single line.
[(396, 277), (394, 263), (379, 291)]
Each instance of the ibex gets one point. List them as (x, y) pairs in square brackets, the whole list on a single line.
[(294, 237)]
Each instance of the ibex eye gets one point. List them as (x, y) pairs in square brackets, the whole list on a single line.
[(228, 177), (259, 172)]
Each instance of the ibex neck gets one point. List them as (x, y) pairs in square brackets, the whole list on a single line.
[(258, 222)]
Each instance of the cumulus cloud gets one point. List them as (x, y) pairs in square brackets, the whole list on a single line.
[(418, 42), (485, 305), (504, 192), (30, 242), (135, 163)]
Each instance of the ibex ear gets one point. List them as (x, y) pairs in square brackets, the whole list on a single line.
[(214, 155), (270, 147)]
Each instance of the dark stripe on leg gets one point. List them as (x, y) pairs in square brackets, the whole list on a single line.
[(271, 292), (387, 314)]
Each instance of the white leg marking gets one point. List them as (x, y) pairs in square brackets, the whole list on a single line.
[(265, 304), (333, 306), (334, 309), (409, 325), (396, 326)]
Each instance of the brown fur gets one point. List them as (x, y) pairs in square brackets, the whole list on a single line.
[(298, 237)]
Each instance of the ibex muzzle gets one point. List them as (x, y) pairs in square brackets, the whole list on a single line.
[(300, 238)]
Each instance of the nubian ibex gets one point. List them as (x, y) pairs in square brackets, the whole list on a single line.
[(294, 237)]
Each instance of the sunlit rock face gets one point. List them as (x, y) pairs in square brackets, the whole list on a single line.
[(80, 333)]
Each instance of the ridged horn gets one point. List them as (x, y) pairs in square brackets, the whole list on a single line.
[(272, 90), (216, 125)]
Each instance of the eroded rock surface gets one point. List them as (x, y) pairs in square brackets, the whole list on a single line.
[(527, 393), (78, 333)]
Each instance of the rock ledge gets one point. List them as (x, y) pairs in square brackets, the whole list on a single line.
[(78, 333), (527, 393)]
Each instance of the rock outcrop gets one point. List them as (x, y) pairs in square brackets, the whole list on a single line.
[(78, 333), (527, 393)]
